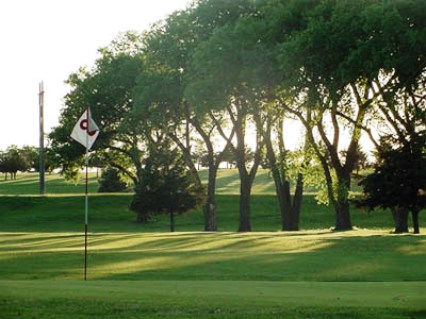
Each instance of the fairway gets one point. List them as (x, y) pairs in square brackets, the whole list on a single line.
[(354, 256), (143, 271), (219, 275)]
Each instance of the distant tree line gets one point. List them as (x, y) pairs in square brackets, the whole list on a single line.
[(24, 159), (209, 76)]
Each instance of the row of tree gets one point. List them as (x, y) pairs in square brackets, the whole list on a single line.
[(213, 73), (24, 159)]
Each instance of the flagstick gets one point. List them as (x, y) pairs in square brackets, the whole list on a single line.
[(86, 215), (80, 133), (86, 222)]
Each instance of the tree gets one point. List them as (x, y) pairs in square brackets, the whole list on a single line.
[(14, 160), (160, 97), (399, 110), (265, 77), (220, 81), (32, 157), (111, 181), (336, 59), (166, 188), (108, 89), (399, 181)]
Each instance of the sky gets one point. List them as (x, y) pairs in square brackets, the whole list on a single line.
[(47, 40)]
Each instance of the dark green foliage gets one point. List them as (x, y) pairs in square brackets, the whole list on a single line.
[(339, 59), (107, 89), (166, 187), (14, 160), (111, 181), (223, 67), (399, 178)]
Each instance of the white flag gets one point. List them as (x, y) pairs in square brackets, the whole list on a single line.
[(85, 131)]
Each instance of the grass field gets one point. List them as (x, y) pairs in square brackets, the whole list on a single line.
[(145, 272)]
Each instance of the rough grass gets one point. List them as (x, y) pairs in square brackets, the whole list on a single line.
[(63, 207), (110, 213)]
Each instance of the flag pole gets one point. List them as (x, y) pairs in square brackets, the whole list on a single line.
[(81, 131), (86, 215), (41, 141)]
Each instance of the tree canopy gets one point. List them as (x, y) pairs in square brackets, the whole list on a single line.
[(208, 77)]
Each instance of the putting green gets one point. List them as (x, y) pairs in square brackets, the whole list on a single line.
[(410, 295)]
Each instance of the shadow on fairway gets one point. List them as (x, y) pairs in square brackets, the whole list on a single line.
[(343, 257)]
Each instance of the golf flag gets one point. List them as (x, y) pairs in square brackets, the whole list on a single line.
[(85, 131)]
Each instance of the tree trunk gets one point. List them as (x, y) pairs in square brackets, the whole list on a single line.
[(214, 159), (289, 211), (286, 212), (297, 203), (245, 225), (282, 202), (341, 205), (282, 198), (343, 217), (415, 215), (400, 217), (172, 221), (210, 221), (239, 115)]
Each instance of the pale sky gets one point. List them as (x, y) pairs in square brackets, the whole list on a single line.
[(47, 40)]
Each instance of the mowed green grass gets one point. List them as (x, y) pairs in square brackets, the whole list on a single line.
[(358, 274), (210, 299), (311, 274), (142, 271), (356, 256)]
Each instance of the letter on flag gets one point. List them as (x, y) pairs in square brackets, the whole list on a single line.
[(85, 131)]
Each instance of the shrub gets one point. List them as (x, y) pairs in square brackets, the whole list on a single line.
[(111, 182)]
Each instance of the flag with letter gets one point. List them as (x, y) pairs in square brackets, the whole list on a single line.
[(85, 131)]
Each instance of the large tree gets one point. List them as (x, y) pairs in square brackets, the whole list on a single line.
[(107, 88), (256, 46), (217, 83), (336, 60), (159, 96)]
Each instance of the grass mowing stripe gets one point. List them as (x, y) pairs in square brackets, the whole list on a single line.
[(363, 255)]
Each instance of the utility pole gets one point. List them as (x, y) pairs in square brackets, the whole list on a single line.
[(41, 146)]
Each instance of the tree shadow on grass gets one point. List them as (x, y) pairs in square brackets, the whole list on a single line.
[(224, 256)]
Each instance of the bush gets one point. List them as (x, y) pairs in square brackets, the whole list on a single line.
[(166, 187), (111, 182)]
